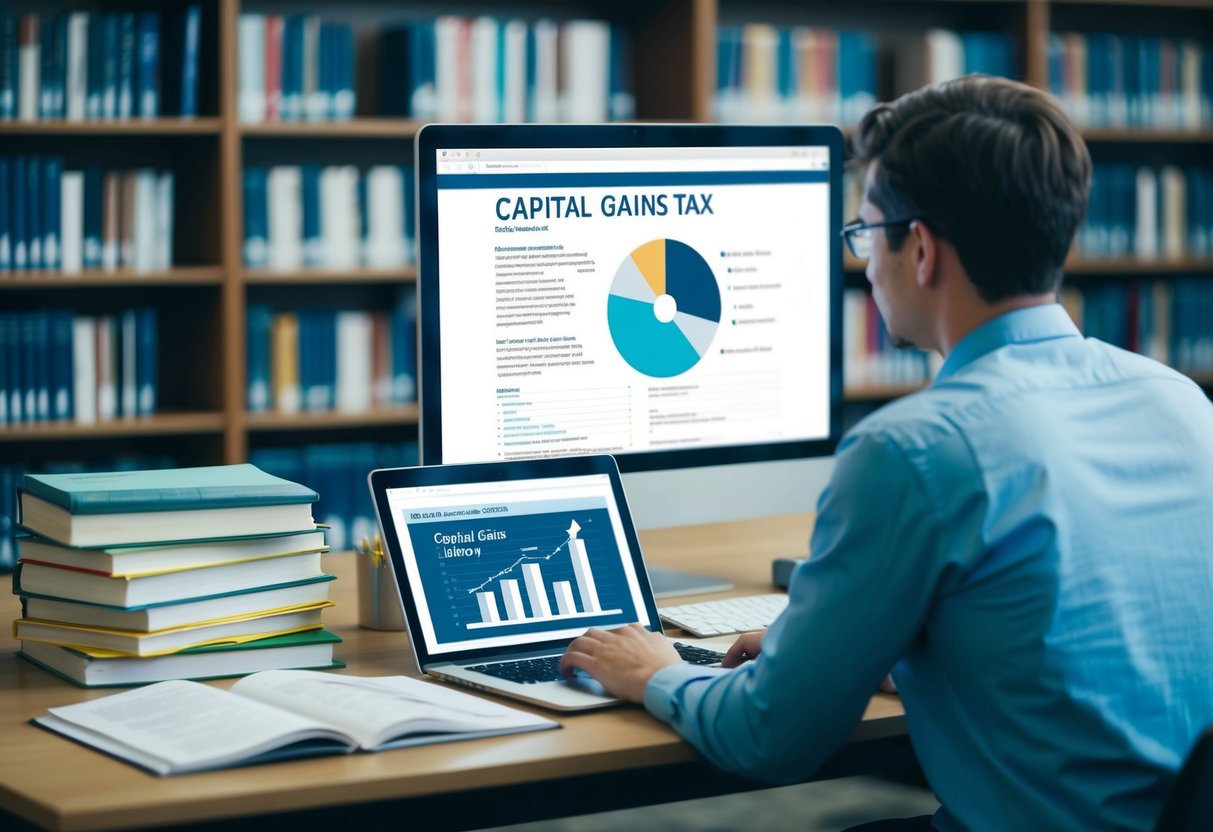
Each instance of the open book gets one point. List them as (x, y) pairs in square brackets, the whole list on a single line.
[(178, 726)]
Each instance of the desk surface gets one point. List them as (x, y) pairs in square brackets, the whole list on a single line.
[(57, 784)]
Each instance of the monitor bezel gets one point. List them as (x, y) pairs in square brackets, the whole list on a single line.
[(432, 137)]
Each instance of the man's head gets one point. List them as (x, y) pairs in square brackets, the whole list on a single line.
[(993, 167)]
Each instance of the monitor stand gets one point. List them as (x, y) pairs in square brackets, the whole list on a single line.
[(668, 582)]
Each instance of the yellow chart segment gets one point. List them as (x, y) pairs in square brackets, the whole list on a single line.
[(650, 259)]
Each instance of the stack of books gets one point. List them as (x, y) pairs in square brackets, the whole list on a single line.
[(139, 576)]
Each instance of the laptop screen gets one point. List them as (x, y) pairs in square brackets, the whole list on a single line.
[(513, 563)]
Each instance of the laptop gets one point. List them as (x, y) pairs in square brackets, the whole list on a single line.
[(500, 565)]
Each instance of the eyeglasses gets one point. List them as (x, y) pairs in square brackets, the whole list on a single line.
[(858, 234)]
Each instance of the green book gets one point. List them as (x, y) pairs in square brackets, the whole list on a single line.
[(170, 489), (177, 504), (89, 669)]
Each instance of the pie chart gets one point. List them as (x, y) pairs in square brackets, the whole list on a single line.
[(663, 308)]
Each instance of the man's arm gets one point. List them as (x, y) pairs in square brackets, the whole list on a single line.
[(853, 609)]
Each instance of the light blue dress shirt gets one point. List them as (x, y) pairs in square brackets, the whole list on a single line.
[(1027, 545)]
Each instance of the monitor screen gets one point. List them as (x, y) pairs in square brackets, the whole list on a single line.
[(669, 294)]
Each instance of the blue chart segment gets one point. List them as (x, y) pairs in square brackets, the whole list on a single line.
[(644, 284), (521, 574)]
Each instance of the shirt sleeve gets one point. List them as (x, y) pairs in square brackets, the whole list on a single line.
[(853, 609)]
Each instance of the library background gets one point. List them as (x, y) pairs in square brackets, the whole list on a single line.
[(206, 222)]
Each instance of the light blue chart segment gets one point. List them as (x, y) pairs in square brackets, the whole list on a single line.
[(648, 344)]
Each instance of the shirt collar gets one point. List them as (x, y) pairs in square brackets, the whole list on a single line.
[(1034, 323)]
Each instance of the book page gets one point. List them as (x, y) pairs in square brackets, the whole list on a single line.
[(374, 710), (187, 725)]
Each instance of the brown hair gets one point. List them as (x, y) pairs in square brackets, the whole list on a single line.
[(992, 165)]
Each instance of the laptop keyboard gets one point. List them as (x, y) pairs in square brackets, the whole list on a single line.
[(547, 668)]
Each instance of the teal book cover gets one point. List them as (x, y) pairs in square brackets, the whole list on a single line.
[(170, 489)]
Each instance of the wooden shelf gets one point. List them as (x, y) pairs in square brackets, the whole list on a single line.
[(130, 127), (331, 420), (261, 277), (163, 424), (387, 128), (180, 276), (1137, 267)]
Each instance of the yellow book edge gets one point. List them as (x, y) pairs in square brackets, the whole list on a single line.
[(126, 576), (115, 631), (111, 654)]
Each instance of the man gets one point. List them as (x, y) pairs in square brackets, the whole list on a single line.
[(1026, 545)]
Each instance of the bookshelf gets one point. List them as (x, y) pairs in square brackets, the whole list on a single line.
[(203, 299)]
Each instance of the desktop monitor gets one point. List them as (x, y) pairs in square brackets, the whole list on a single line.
[(669, 294)]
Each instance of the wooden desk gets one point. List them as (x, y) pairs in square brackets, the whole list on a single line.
[(595, 761)]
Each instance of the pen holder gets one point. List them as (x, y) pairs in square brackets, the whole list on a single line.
[(379, 606)]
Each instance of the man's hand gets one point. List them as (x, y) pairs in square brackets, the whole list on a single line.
[(746, 648), (622, 660)]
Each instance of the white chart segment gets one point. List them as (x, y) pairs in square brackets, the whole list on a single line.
[(585, 577), (699, 331), (488, 608), (630, 283), (532, 575), (513, 601), (564, 598)]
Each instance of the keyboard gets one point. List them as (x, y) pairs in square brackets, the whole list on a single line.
[(547, 668), (727, 615)]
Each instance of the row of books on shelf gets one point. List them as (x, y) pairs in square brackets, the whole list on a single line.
[(328, 217), (1149, 213), (802, 73), (1118, 81), (450, 68), (870, 358), (316, 360), (1168, 320), (295, 68), (123, 580), (90, 66), (57, 365), (337, 471), (769, 73), (53, 219)]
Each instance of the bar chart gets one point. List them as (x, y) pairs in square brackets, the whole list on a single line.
[(569, 605), (524, 573)]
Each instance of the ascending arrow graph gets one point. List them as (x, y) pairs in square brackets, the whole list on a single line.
[(536, 590)]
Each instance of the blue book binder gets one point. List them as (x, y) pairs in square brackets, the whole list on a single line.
[(8, 65), (146, 340), (422, 68), (94, 68), (46, 72), (60, 371), (33, 212), (404, 348), (6, 231), (291, 108), (126, 65), (256, 219), (94, 204), (313, 242), (5, 384), (148, 87), (10, 353), (52, 216), (110, 46), (17, 211), (189, 61), (257, 356)]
